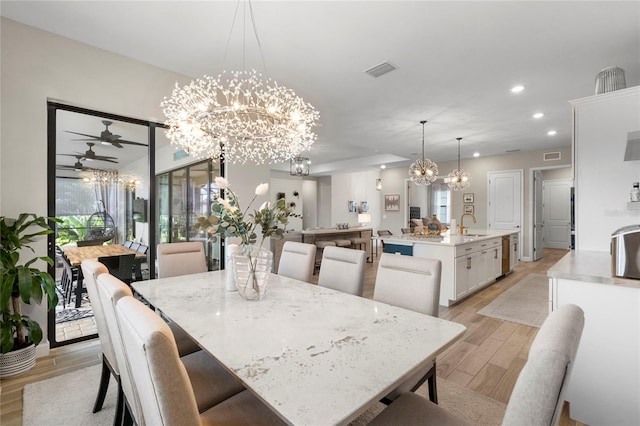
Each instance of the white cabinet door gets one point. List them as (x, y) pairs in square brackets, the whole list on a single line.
[(481, 268), (496, 261), (513, 258), (463, 265)]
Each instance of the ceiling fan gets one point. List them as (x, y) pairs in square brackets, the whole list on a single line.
[(77, 167), (90, 155), (106, 137)]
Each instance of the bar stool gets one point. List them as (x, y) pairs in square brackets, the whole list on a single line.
[(360, 243), (343, 243), (320, 245)]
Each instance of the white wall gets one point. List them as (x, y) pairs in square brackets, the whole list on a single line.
[(602, 179), (36, 66), (310, 203), (324, 202), (289, 187), (358, 187)]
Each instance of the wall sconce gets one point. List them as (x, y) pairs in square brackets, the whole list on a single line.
[(378, 184), (299, 166)]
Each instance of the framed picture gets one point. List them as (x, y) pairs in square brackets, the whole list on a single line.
[(353, 207), (468, 197), (392, 202), (364, 206), (279, 195), (468, 208)]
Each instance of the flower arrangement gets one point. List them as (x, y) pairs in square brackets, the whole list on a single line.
[(228, 220)]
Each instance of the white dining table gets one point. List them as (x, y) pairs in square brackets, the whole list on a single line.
[(315, 356)]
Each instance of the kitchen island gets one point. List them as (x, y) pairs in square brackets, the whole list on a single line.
[(605, 382), (469, 262)]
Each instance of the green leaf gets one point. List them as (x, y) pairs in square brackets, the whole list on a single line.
[(6, 336)]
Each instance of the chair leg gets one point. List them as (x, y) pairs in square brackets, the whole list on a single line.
[(104, 385), (120, 407), (431, 384), (127, 418)]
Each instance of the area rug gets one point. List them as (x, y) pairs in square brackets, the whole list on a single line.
[(68, 400), (72, 314), (527, 302)]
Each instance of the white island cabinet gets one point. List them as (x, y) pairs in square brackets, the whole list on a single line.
[(469, 262), (605, 382)]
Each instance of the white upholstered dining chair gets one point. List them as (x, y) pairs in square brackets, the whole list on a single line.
[(91, 269), (297, 260), (538, 395), (412, 283), (343, 269), (202, 370), (164, 386), (181, 259)]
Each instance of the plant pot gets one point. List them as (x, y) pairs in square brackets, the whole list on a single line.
[(17, 362), (251, 271)]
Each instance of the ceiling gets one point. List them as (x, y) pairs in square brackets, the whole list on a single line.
[(456, 62)]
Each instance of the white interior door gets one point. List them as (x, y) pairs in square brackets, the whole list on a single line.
[(505, 200), (538, 215), (557, 213)]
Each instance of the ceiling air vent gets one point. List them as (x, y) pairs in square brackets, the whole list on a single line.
[(551, 156), (381, 69)]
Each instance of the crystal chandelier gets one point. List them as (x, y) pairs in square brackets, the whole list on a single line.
[(423, 171), (299, 166), (239, 116), (458, 179)]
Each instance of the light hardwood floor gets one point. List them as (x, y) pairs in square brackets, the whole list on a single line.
[(487, 360)]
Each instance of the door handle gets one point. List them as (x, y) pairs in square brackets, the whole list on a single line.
[(468, 263)]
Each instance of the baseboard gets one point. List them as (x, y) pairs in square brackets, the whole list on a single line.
[(42, 349), (525, 259)]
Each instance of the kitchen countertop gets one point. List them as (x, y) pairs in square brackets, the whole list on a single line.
[(589, 266), (445, 239)]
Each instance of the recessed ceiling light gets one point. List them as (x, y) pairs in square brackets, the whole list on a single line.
[(517, 89), (383, 166), (538, 115), (476, 154), (552, 133)]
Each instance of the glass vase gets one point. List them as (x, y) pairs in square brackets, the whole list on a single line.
[(251, 271)]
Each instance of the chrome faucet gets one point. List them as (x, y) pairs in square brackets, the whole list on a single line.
[(462, 221)]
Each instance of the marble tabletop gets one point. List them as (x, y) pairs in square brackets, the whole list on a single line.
[(314, 355), (589, 266)]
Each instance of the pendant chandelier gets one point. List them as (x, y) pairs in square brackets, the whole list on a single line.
[(239, 116), (423, 171), (299, 166), (458, 179)]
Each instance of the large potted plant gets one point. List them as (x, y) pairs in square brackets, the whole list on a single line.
[(21, 283)]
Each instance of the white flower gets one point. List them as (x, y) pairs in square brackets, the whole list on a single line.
[(262, 189), (222, 182), (225, 203)]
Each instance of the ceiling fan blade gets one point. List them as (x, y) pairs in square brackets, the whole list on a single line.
[(83, 140), (84, 134), (104, 159), (112, 143), (129, 142)]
